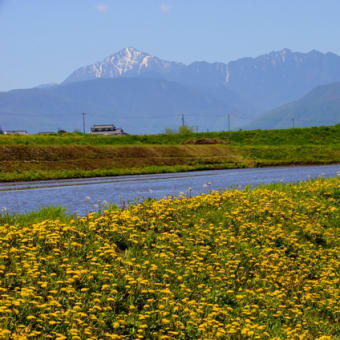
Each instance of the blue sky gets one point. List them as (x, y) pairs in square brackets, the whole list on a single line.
[(43, 41)]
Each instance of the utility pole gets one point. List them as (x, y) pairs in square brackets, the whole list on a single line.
[(182, 119), (84, 114), (293, 123), (229, 122)]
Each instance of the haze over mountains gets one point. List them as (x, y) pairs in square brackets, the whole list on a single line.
[(145, 94), (321, 106)]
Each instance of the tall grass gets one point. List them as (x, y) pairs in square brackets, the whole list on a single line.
[(51, 213), (33, 175)]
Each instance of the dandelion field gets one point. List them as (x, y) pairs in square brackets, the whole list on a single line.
[(251, 264)]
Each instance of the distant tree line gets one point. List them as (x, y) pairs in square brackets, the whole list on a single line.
[(182, 130)]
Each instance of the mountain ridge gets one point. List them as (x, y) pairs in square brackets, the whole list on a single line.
[(321, 106), (264, 82), (243, 89), (130, 56), (126, 62)]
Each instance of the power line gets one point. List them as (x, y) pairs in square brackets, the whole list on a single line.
[(293, 121), (317, 121), (84, 114)]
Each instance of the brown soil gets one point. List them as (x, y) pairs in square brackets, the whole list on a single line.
[(206, 141), (25, 157)]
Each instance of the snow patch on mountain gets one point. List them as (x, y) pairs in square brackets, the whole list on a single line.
[(126, 62), (130, 62)]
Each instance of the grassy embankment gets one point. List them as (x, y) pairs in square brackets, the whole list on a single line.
[(77, 155), (251, 264)]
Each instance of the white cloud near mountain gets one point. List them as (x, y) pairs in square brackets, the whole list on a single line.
[(102, 8), (165, 8)]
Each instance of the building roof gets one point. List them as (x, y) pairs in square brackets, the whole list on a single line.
[(16, 131), (103, 126)]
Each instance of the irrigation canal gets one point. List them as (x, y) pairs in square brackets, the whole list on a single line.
[(83, 195)]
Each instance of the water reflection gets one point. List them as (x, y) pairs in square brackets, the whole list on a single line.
[(83, 195)]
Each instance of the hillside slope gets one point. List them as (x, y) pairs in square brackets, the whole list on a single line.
[(318, 108), (139, 105)]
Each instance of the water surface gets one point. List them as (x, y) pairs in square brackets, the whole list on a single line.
[(82, 195)]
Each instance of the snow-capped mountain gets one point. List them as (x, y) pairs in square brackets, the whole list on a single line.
[(262, 83), (128, 62), (144, 93), (282, 76)]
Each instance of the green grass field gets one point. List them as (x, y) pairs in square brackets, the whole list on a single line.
[(77, 155), (316, 135)]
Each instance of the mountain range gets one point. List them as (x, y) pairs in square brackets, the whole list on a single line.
[(145, 94)]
